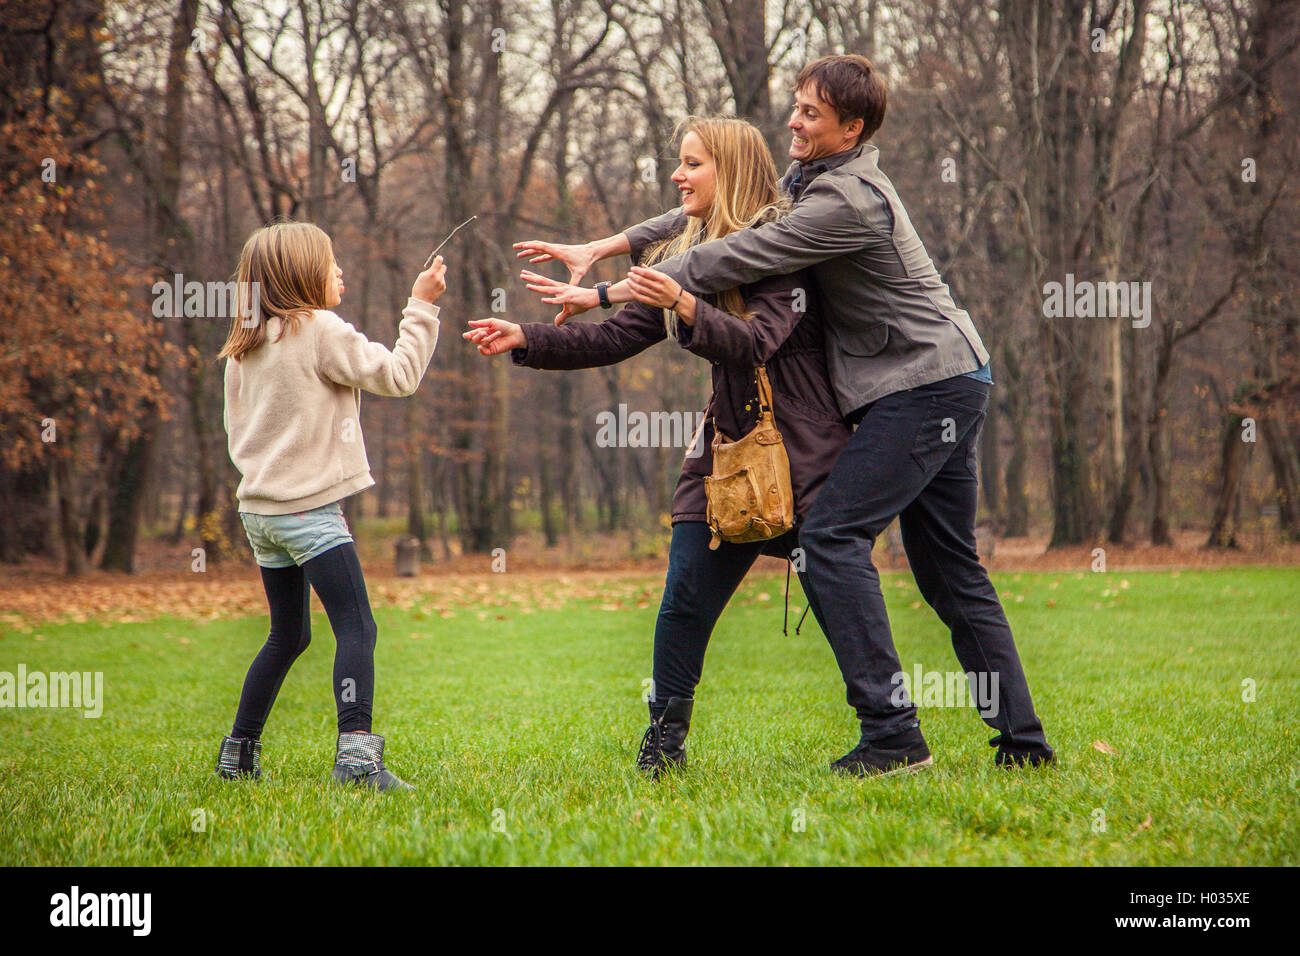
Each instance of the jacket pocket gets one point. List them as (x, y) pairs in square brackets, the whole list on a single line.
[(789, 406), (865, 341)]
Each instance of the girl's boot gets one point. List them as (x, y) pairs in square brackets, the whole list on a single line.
[(239, 757), (360, 759)]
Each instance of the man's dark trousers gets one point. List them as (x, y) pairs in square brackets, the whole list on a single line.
[(913, 455)]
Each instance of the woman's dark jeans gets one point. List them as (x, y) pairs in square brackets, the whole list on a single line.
[(699, 585)]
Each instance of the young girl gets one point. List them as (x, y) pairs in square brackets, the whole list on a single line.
[(294, 375), (727, 182)]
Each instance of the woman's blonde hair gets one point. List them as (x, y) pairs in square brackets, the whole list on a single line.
[(283, 271), (747, 192)]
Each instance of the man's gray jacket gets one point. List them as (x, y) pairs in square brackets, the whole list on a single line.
[(891, 322)]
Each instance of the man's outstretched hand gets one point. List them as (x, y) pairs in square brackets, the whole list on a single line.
[(495, 336), (574, 298), (579, 259)]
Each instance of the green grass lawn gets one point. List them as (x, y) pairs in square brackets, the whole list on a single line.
[(520, 730)]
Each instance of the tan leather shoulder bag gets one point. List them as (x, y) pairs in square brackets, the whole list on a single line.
[(750, 497)]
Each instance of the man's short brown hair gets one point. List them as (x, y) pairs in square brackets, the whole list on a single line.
[(851, 87)]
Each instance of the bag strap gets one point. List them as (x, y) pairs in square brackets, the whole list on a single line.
[(764, 400), (709, 415), (785, 624), (764, 393)]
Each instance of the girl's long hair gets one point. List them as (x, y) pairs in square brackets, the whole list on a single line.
[(747, 192), (283, 271)]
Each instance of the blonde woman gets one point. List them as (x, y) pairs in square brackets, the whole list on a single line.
[(293, 382), (727, 182)]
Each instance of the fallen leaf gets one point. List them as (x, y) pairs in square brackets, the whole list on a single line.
[(1103, 747)]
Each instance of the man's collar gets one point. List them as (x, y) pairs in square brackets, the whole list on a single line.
[(834, 161)]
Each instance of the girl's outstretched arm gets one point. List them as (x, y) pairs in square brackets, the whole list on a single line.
[(346, 356)]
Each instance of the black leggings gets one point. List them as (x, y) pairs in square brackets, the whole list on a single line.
[(337, 580)]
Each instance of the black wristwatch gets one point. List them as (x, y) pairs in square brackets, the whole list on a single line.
[(602, 292)]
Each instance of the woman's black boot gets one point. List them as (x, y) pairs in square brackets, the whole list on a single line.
[(664, 742)]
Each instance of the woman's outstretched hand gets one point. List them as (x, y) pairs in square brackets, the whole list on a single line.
[(574, 298), (495, 336), (579, 259)]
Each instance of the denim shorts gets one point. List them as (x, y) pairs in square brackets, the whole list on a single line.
[(281, 541)]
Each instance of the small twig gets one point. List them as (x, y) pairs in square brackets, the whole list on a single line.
[(448, 239)]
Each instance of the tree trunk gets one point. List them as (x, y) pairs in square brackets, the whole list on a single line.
[(1159, 440), (546, 497), (132, 476), (1286, 475), (72, 532), (415, 480), (738, 29), (1161, 479), (208, 506), (1015, 406), (990, 465), (1232, 454), (1049, 69), (569, 455), (1137, 431), (1108, 239), (24, 519)]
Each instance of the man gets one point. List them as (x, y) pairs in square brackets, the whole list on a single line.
[(909, 370)]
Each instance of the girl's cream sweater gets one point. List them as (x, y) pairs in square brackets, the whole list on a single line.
[(293, 406)]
